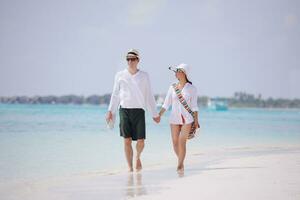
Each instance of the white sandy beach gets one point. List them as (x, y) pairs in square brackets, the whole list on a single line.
[(257, 177), (239, 173)]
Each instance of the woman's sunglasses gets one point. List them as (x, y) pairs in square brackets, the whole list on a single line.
[(175, 70)]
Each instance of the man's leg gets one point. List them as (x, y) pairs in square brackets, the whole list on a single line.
[(139, 148), (128, 152)]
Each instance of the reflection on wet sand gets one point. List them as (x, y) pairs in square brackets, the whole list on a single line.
[(135, 186)]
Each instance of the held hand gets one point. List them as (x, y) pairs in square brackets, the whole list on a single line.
[(156, 119), (109, 116)]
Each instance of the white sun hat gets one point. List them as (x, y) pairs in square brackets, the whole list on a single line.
[(133, 53), (186, 69)]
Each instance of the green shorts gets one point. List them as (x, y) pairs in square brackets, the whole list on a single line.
[(132, 123)]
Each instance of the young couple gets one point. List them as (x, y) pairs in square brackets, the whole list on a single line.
[(132, 94)]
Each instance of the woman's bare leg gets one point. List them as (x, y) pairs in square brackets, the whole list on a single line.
[(185, 129), (175, 130)]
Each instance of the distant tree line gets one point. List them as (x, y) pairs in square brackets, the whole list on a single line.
[(240, 99), (243, 99), (65, 99)]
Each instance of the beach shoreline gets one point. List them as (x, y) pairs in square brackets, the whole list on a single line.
[(248, 169)]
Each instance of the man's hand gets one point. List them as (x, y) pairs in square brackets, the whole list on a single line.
[(109, 116), (156, 119)]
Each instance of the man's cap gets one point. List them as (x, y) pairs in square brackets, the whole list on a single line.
[(133, 53)]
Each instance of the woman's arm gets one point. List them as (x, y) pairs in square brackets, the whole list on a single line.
[(167, 102), (161, 112), (196, 119), (195, 107)]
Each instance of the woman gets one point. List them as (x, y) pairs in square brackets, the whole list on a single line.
[(180, 119)]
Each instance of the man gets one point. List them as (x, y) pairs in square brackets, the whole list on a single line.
[(132, 92)]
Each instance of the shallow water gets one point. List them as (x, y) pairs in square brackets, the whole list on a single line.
[(56, 140)]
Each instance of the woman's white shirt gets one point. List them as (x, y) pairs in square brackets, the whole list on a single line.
[(189, 93)]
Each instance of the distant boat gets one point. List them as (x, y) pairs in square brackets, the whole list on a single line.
[(217, 105)]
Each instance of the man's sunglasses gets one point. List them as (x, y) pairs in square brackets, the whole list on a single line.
[(131, 59)]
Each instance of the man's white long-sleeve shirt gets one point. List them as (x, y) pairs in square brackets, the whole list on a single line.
[(132, 91)]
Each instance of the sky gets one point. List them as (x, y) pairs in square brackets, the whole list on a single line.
[(60, 47)]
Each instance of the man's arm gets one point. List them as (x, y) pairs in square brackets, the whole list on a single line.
[(114, 99), (150, 101)]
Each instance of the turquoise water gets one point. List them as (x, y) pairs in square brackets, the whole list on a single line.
[(57, 140)]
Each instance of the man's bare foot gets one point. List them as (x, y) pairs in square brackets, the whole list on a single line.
[(130, 169), (138, 164), (180, 168)]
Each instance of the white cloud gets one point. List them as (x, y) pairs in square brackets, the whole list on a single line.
[(144, 11)]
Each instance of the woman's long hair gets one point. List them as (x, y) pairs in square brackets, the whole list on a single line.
[(187, 80)]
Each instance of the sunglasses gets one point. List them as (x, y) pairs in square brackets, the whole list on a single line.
[(179, 70), (131, 59), (176, 70)]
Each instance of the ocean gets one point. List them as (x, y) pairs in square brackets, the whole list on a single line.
[(41, 141)]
